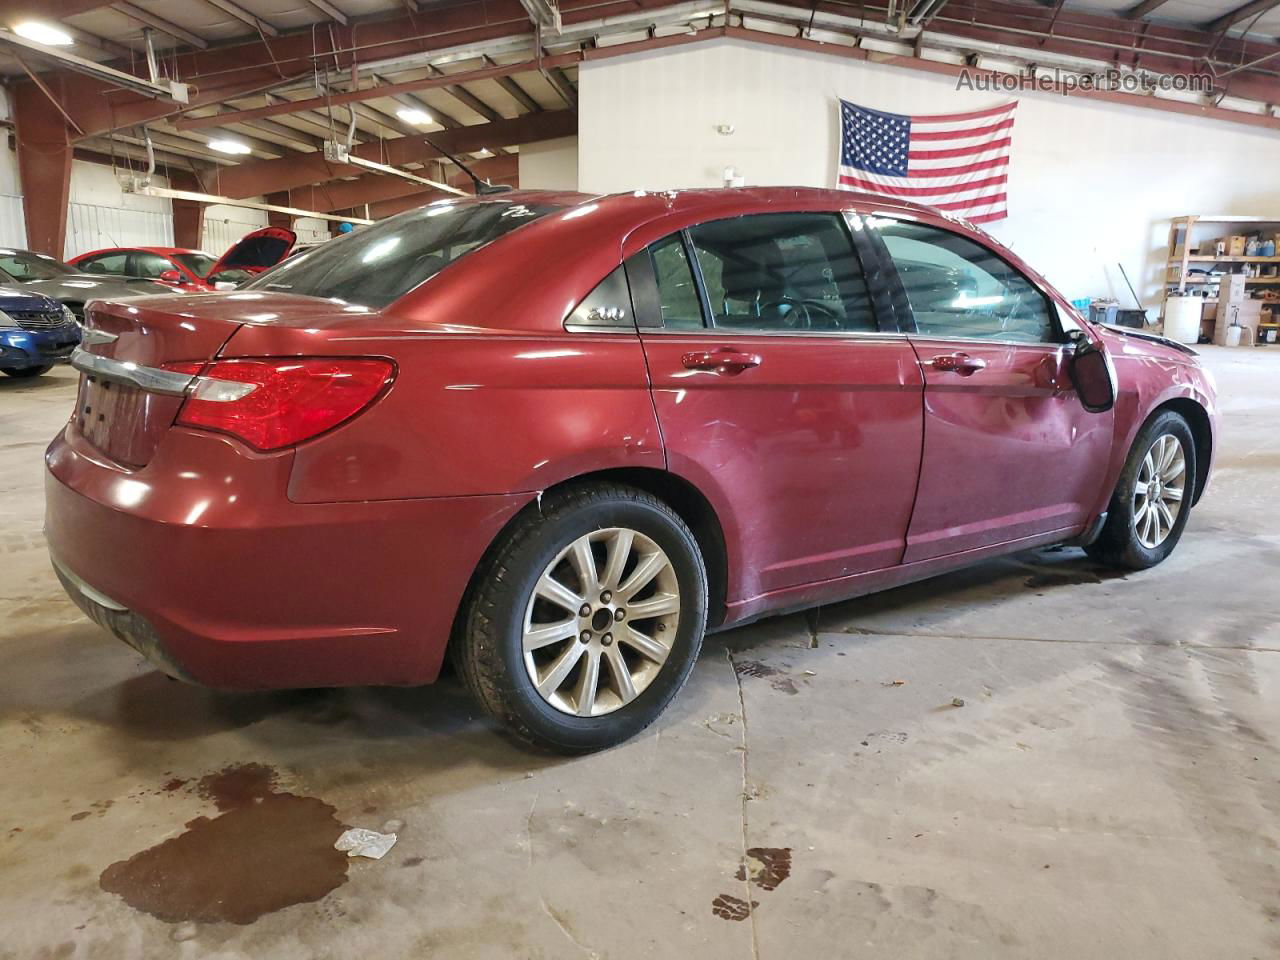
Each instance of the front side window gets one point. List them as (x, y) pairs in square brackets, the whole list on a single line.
[(783, 273), (150, 265), (381, 263), (959, 289), (677, 291), (198, 263)]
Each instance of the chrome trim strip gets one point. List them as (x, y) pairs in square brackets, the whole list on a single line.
[(89, 337), (592, 328), (101, 599), (151, 379), (712, 333)]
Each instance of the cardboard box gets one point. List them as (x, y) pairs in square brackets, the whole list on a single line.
[(1234, 246), (1246, 313), (1232, 289)]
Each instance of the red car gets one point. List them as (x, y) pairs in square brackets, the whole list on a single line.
[(194, 270), (559, 436)]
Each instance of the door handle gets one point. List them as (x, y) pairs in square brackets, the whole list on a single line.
[(726, 361), (960, 363)]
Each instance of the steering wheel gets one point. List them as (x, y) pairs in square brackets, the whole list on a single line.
[(801, 317)]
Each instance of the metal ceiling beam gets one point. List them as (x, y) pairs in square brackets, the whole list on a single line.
[(329, 10), (1240, 14), (1142, 9), (1204, 111), (99, 43), (517, 92), (92, 68), (244, 16), (236, 202), (134, 12), (58, 10), (556, 77), (472, 102), (284, 132), (372, 93), (267, 176)]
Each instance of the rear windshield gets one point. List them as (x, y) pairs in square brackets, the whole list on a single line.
[(381, 263)]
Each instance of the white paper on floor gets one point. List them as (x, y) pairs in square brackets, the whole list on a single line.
[(359, 842)]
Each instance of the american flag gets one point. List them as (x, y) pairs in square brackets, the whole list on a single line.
[(955, 162)]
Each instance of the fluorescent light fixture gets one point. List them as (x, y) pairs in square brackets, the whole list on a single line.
[(229, 146), (417, 117), (45, 33)]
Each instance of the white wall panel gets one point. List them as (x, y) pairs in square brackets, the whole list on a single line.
[(550, 165), (1090, 183), (224, 225), (101, 214), (13, 223)]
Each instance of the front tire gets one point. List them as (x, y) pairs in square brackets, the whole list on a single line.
[(22, 373), (1152, 501), (586, 619)]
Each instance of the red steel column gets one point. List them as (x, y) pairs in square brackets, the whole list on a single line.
[(44, 165), (188, 215), (274, 217)]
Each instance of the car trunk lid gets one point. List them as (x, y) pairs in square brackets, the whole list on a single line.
[(135, 355)]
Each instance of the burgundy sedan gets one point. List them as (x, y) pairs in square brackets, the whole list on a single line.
[(558, 437)]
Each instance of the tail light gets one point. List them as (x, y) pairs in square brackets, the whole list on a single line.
[(274, 403)]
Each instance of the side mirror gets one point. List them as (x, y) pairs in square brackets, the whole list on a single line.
[(1094, 376), (170, 276)]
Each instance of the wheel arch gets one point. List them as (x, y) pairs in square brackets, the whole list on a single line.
[(1197, 418), (689, 503)]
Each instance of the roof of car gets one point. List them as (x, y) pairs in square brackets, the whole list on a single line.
[(648, 203), (160, 250)]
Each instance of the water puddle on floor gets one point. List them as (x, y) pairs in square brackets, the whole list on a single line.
[(266, 850)]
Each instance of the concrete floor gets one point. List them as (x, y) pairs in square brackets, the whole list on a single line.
[(1109, 788)]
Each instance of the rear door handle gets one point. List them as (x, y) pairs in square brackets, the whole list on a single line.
[(726, 361), (960, 363)]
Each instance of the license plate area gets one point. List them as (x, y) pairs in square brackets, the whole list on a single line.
[(123, 422)]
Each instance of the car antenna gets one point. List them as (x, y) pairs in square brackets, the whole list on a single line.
[(482, 186)]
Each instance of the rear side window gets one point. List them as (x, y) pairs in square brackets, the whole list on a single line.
[(381, 263), (783, 273), (607, 307), (958, 289), (677, 291)]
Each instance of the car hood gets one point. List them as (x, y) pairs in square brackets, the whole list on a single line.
[(88, 286), (1127, 341), (12, 298)]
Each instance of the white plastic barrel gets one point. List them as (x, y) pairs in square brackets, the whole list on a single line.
[(1182, 318)]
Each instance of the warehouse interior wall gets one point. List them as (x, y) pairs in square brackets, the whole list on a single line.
[(550, 165), (1091, 184), (101, 214)]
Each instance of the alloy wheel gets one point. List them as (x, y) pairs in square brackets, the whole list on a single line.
[(600, 622), (1158, 491)]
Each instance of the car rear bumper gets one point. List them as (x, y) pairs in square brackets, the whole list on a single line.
[(20, 349), (201, 563)]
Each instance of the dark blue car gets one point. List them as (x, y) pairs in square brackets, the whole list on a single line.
[(35, 333)]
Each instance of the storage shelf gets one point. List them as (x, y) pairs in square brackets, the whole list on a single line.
[(1197, 258)]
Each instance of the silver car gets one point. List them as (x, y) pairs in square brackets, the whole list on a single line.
[(39, 273)]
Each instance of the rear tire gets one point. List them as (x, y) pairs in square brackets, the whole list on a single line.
[(548, 647), (1144, 520), (22, 373)]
